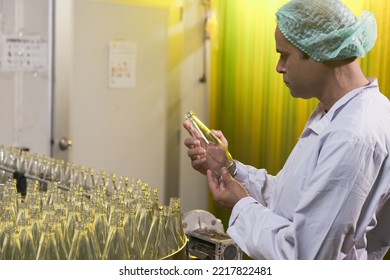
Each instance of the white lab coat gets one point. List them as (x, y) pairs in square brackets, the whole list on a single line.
[(326, 202)]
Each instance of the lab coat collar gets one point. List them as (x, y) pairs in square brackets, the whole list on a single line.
[(320, 120)]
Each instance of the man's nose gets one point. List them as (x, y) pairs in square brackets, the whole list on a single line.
[(280, 68)]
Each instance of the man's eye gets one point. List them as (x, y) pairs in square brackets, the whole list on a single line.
[(283, 56)]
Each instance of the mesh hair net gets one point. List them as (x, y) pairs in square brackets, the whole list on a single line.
[(327, 29)]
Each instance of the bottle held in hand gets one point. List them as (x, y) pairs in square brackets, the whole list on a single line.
[(200, 131)]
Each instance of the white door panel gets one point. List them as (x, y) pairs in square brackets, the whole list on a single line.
[(26, 96), (116, 130)]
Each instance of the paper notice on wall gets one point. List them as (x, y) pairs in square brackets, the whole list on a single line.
[(23, 53), (122, 64)]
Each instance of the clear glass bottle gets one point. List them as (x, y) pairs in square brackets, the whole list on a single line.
[(171, 234), (32, 193), (88, 219), (22, 212), (200, 130), (67, 174), (179, 231), (11, 249), (27, 243), (62, 243), (90, 183), (72, 218), (101, 226), (149, 250), (132, 236), (6, 222), (84, 247), (36, 161), (144, 222), (161, 245), (47, 249), (2, 155), (36, 224), (116, 247)]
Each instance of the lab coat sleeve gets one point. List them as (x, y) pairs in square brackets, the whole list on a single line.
[(249, 234), (257, 182), (323, 224)]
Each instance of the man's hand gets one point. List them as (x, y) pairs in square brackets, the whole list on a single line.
[(206, 156), (225, 190), (196, 150)]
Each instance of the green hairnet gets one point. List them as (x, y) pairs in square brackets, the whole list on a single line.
[(326, 29)]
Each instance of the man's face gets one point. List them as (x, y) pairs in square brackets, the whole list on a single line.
[(303, 76)]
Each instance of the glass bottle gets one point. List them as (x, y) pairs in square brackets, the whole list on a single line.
[(73, 217), (11, 245), (67, 174), (36, 224), (27, 243), (78, 176), (115, 204), (90, 180), (32, 193), (57, 198), (100, 225), (83, 246), (176, 208), (36, 161), (47, 168), (43, 167), (171, 234), (94, 241), (22, 212), (111, 183), (154, 198), (200, 131), (8, 204), (47, 249), (20, 160), (10, 158), (88, 217), (122, 183), (144, 222), (2, 155), (116, 246), (6, 222), (58, 168), (47, 212), (132, 236), (161, 245), (101, 181), (149, 249), (62, 244)]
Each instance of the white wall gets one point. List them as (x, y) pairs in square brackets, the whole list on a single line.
[(194, 96)]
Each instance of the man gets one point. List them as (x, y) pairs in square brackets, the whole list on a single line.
[(330, 200)]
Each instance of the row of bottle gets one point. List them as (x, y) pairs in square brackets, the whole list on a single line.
[(34, 165), (112, 218)]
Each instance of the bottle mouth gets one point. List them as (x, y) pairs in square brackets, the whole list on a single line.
[(196, 132), (188, 115)]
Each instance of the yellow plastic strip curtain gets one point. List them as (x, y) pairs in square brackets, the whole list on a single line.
[(248, 100), (377, 61)]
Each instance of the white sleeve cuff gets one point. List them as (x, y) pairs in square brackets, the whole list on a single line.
[(240, 205)]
